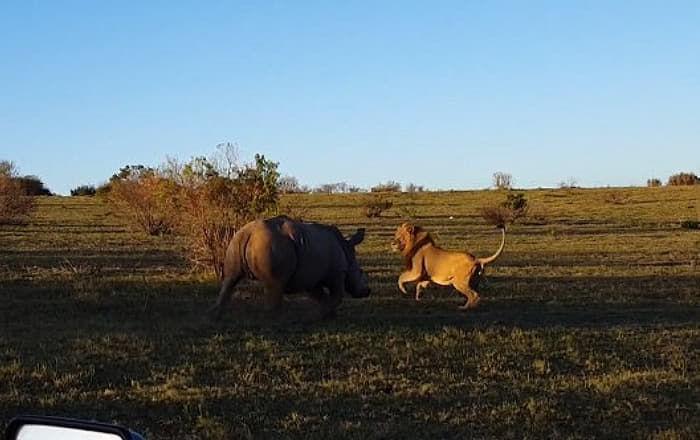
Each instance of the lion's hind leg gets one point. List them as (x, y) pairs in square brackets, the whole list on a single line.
[(420, 287), (470, 294)]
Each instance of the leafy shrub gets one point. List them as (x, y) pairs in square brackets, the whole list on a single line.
[(7, 169), (216, 202), (83, 190), (30, 185), (103, 190), (653, 182), (33, 186), (495, 215), (374, 206), (390, 186), (257, 184), (149, 200), (683, 179), (516, 203), (133, 172), (511, 210), (209, 221), (16, 205), (206, 200)]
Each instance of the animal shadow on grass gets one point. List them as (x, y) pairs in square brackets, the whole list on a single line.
[(567, 302), (298, 310)]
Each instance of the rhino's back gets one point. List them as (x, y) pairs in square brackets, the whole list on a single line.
[(319, 253), (293, 255), (269, 255)]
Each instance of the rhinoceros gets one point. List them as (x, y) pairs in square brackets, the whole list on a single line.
[(289, 256)]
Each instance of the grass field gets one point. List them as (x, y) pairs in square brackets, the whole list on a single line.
[(589, 327)]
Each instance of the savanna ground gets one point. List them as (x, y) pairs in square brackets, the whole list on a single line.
[(589, 327)]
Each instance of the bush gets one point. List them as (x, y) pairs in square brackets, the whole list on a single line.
[(495, 215), (103, 190), (217, 202), (7, 169), (207, 200), (149, 200), (390, 186), (83, 190), (374, 207), (30, 185), (133, 172), (209, 222), (15, 205), (683, 179), (511, 210), (257, 187), (33, 186), (653, 183)]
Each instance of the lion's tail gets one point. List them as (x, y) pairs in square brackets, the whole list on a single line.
[(492, 258)]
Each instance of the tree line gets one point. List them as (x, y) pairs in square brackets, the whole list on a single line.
[(207, 199)]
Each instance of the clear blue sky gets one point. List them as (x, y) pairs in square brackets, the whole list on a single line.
[(438, 93)]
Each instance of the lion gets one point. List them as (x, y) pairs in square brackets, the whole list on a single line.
[(427, 263)]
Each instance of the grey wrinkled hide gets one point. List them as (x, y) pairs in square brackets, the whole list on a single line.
[(288, 256)]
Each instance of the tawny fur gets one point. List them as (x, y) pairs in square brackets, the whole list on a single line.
[(427, 263)]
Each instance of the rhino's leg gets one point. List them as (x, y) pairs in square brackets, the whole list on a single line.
[(318, 294), (225, 294), (273, 296), (321, 297), (335, 296)]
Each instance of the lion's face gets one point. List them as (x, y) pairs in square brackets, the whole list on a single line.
[(404, 238)]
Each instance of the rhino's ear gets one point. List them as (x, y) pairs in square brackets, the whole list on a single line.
[(357, 237)]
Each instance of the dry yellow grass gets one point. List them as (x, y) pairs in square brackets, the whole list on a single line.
[(588, 327)]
